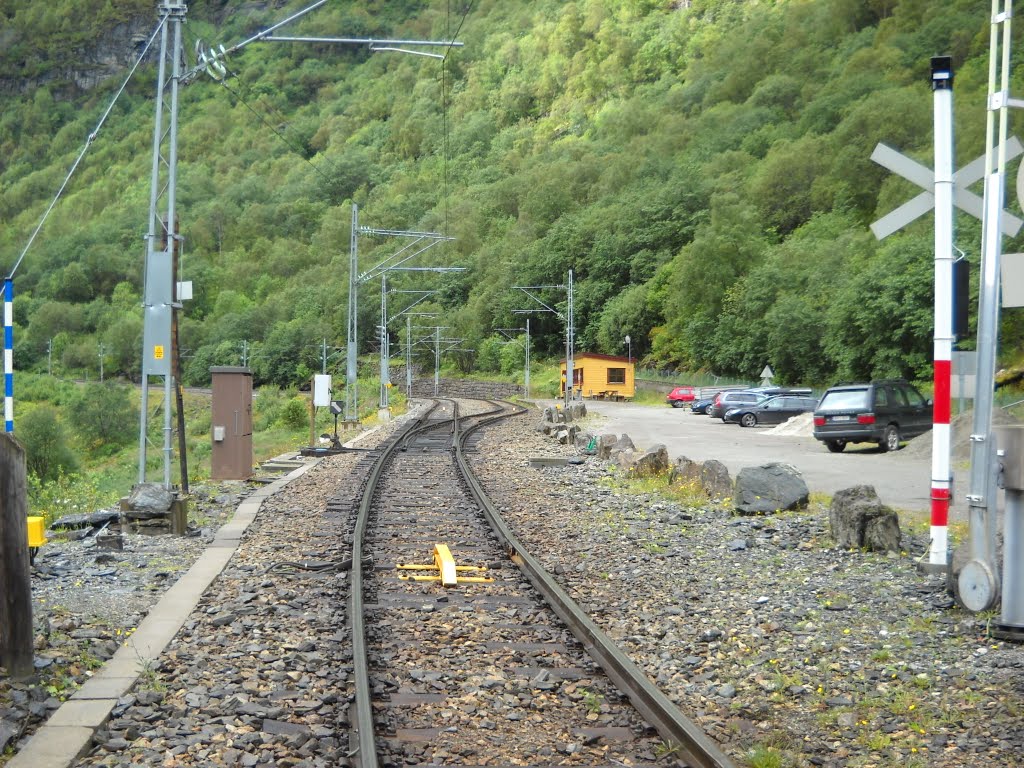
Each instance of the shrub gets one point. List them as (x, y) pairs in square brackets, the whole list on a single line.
[(47, 454), (295, 414), (64, 495), (103, 416)]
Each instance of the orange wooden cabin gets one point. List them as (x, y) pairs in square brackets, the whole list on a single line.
[(601, 377)]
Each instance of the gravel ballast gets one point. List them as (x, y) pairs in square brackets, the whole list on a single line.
[(778, 643), (787, 650)]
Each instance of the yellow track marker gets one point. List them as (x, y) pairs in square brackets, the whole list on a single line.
[(446, 569)]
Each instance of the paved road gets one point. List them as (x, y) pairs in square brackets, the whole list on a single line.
[(902, 480)]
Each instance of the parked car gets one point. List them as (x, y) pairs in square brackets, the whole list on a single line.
[(884, 412), (702, 405), (681, 396), (725, 401), (774, 410)]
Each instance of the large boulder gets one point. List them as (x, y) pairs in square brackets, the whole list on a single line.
[(715, 480), (623, 459), (651, 462), (547, 427), (605, 443), (686, 471), (554, 414), (624, 443), (586, 443), (859, 520), (576, 411), (769, 488), (567, 434), (150, 497)]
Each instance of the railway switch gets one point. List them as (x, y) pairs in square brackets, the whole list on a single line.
[(447, 570)]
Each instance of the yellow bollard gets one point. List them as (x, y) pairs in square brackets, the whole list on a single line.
[(36, 532), (36, 536)]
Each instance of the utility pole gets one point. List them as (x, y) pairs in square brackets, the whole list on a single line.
[(385, 375), (979, 581), (159, 279), (351, 377), (101, 350), (159, 284), (437, 360), (526, 351), (391, 263), (570, 327)]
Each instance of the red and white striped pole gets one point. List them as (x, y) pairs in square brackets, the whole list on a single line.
[(942, 86)]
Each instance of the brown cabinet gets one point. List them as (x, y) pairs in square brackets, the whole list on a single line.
[(231, 423)]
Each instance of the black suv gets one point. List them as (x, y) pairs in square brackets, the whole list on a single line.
[(884, 412)]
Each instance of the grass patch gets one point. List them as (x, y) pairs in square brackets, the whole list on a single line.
[(665, 485)]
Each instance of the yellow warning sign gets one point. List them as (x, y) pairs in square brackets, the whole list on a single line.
[(158, 352)]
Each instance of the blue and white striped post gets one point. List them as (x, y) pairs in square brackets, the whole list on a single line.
[(8, 355)]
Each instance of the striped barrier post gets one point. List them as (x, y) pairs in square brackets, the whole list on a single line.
[(8, 355), (942, 85)]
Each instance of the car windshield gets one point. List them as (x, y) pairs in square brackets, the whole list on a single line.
[(844, 399)]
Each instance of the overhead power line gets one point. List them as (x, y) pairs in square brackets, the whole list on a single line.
[(88, 143)]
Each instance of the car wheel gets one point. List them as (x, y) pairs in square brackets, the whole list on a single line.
[(748, 420), (890, 439), (677, 403), (835, 446)]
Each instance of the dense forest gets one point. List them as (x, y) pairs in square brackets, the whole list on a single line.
[(702, 166)]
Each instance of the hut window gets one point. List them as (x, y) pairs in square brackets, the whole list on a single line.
[(616, 375)]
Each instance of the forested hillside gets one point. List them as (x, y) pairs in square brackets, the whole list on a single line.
[(703, 167)]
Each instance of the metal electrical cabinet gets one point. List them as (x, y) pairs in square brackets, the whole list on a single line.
[(231, 423)]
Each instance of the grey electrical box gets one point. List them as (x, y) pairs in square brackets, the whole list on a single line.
[(231, 415), (1010, 439)]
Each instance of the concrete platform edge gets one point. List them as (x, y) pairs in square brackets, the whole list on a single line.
[(67, 735)]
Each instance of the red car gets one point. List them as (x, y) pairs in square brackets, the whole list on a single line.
[(681, 396)]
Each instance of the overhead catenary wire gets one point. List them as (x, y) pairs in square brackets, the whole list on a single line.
[(88, 143)]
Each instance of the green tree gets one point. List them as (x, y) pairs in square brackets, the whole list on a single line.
[(47, 452), (103, 416)]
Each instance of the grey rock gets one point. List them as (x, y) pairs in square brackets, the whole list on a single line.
[(284, 728), (737, 545), (686, 471), (624, 443), (8, 732), (839, 701), (605, 443), (622, 459), (583, 442), (714, 478), (769, 488), (858, 519), (150, 497), (651, 462)]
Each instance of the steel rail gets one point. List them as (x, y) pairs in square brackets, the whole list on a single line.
[(365, 754), (696, 747)]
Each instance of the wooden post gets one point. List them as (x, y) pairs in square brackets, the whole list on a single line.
[(16, 653)]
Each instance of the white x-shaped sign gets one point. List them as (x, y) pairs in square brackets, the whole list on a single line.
[(963, 198)]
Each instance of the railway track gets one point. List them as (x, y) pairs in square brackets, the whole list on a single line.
[(457, 652), (294, 657)]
